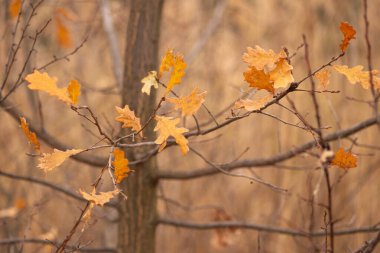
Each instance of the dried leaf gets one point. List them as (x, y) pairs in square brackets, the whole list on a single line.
[(99, 199), (282, 74), (14, 8), (128, 118), (357, 75), (178, 64), (344, 160), (261, 59), (32, 137), (121, 165), (74, 91), (258, 79), (149, 81), (166, 126), (190, 104), (223, 237), (63, 33), (252, 105), (323, 78), (50, 161), (348, 34)]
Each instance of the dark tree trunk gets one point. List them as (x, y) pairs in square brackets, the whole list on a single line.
[(137, 224)]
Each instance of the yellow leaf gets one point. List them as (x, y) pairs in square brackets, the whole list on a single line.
[(43, 82), (189, 104), (166, 126), (14, 8), (344, 160), (149, 81), (253, 105), (177, 62), (323, 78), (128, 118), (348, 34), (281, 75), (258, 79), (121, 165), (261, 59), (99, 199), (74, 91), (32, 137), (357, 75), (50, 161)]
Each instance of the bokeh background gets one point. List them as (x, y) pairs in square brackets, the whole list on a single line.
[(212, 35)]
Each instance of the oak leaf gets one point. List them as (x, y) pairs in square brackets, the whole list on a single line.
[(74, 91), (252, 105), (190, 104), (258, 79), (32, 137), (323, 78), (120, 164), (357, 75), (149, 81), (166, 126), (261, 59), (50, 161), (344, 160), (281, 75), (128, 118), (178, 64), (99, 199), (14, 8), (348, 34), (63, 34)]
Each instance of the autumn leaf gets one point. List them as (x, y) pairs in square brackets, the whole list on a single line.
[(357, 75), (166, 126), (253, 105), (99, 199), (224, 237), (190, 104), (323, 78), (32, 137), (149, 81), (128, 118), (344, 160), (261, 59), (74, 91), (63, 33), (14, 8), (258, 79), (50, 161), (348, 34), (43, 82), (281, 75), (121, 165), (178, 64)]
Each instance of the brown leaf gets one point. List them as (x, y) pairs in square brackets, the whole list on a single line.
[(348, 34), (166, 126), (190, 104), (32, 137), (128, 118)]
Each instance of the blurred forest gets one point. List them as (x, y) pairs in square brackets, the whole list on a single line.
[(212, 35)]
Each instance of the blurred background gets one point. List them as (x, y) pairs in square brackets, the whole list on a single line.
[(212, 35)]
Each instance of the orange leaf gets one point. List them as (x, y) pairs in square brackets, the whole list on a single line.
[(166, 126), (62, 33), (261, 59), (177, 62), (74, 91), (149, 81), (323, 78), (344, 160), (48, 161), (99, 199), (282, 74), (129, 119), (252, 105), (348, 34), (14, 8), (32, 137), (121, 165), (357, 75), (189, 104), (258, 79)]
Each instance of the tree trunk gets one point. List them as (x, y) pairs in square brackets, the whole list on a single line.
[(138, 214)]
